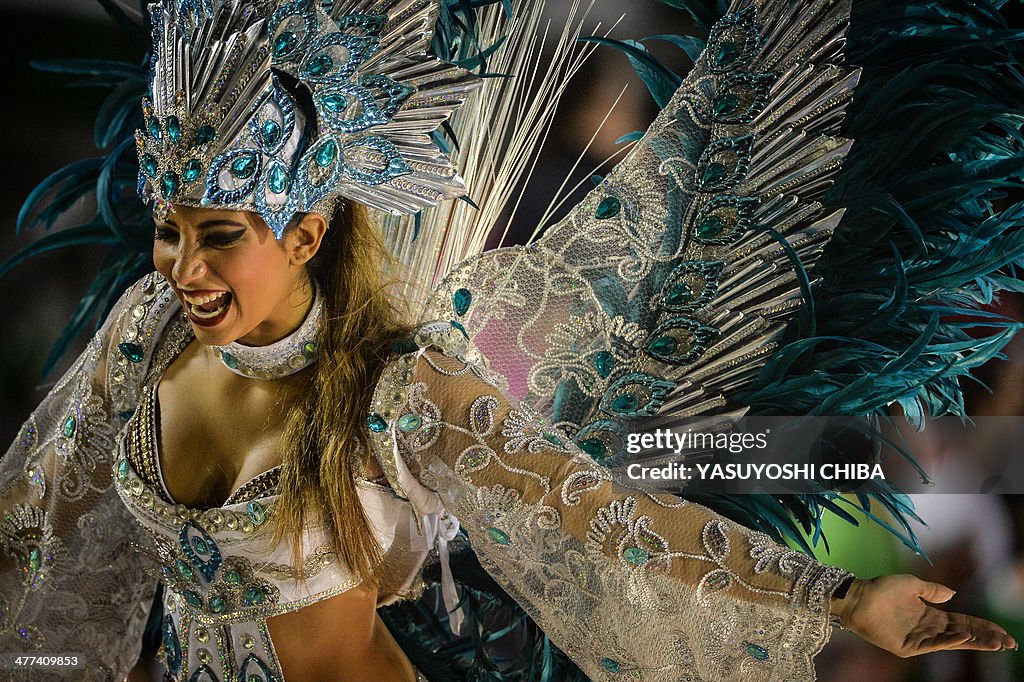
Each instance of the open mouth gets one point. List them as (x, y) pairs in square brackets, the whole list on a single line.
[(207, 309)]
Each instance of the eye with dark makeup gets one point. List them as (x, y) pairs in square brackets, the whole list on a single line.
[(224, 238), (164, 234), (214, 239)]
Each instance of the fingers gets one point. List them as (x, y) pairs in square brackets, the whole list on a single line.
[(989, 641), (970, 633), (934, 592), (987, 633)]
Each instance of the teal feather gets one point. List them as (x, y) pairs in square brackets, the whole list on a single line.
[(660, 80)]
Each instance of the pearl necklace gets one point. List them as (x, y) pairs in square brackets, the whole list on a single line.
[(291, 354)]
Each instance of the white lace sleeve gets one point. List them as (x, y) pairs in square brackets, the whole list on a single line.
[(70, 581), (631, 586)]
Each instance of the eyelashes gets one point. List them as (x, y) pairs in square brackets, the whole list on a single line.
[(216, 240)]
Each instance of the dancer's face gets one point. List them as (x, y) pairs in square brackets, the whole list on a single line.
[(234, 279)]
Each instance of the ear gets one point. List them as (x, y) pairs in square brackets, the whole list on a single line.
[(304, 237)]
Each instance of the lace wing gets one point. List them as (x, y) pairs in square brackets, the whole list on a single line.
[(70, 579), (668, 287), (626, 583)]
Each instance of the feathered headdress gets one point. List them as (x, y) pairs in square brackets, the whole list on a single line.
[(280, 108)]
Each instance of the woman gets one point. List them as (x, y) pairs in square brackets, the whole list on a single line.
[(227, 393)]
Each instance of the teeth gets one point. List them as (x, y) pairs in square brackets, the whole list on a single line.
[(200, 300), (203, 315)]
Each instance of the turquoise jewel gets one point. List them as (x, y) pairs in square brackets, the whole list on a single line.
[(149, 165), (233, 577), (173, 129), (497, 536), (712, 174), (603, 363), (309, 349), (169, 184), (193, 599), (35, 560), (376, 423), (183, 569), (335, 103), (284, 43), (172, 651), (680, 294), (278, 180), (610, 665), (725, 104), (710, 227), (200, 550), (122, 470), (68, 428), (680, 340), (244, 166), (154, 128), (193, 169), (199, 545), (320, 65), (254, 670), (410, 422), (326, 155), (608, 208), (635, 555), (553, 439), (256, 513), (594, 447), (663, 345), (636, 394), (229, 359), (756, 652), (271, 132), (253, 595), (462, 329), (132, 351), (217, 604), (462, 299), (626, 402), (205, 135), (726, 53)]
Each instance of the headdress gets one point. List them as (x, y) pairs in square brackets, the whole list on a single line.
[(279, 108)]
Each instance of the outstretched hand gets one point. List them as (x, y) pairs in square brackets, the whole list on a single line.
[(894, 612)]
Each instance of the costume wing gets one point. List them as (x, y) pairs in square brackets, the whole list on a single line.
[(668, 287), (664, 290), (70, 580)]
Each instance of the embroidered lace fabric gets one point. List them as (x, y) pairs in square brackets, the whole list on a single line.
[(628, 584)]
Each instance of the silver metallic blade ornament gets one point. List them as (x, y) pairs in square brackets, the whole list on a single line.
[(280, 108)]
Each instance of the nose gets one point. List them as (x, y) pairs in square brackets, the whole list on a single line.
[(189, 265)]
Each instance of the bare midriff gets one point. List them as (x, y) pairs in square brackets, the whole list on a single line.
[(341, 639)]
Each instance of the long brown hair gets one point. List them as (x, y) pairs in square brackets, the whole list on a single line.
[(326, 432)]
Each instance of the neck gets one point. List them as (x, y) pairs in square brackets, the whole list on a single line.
[(285, 356), (293, 313)]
